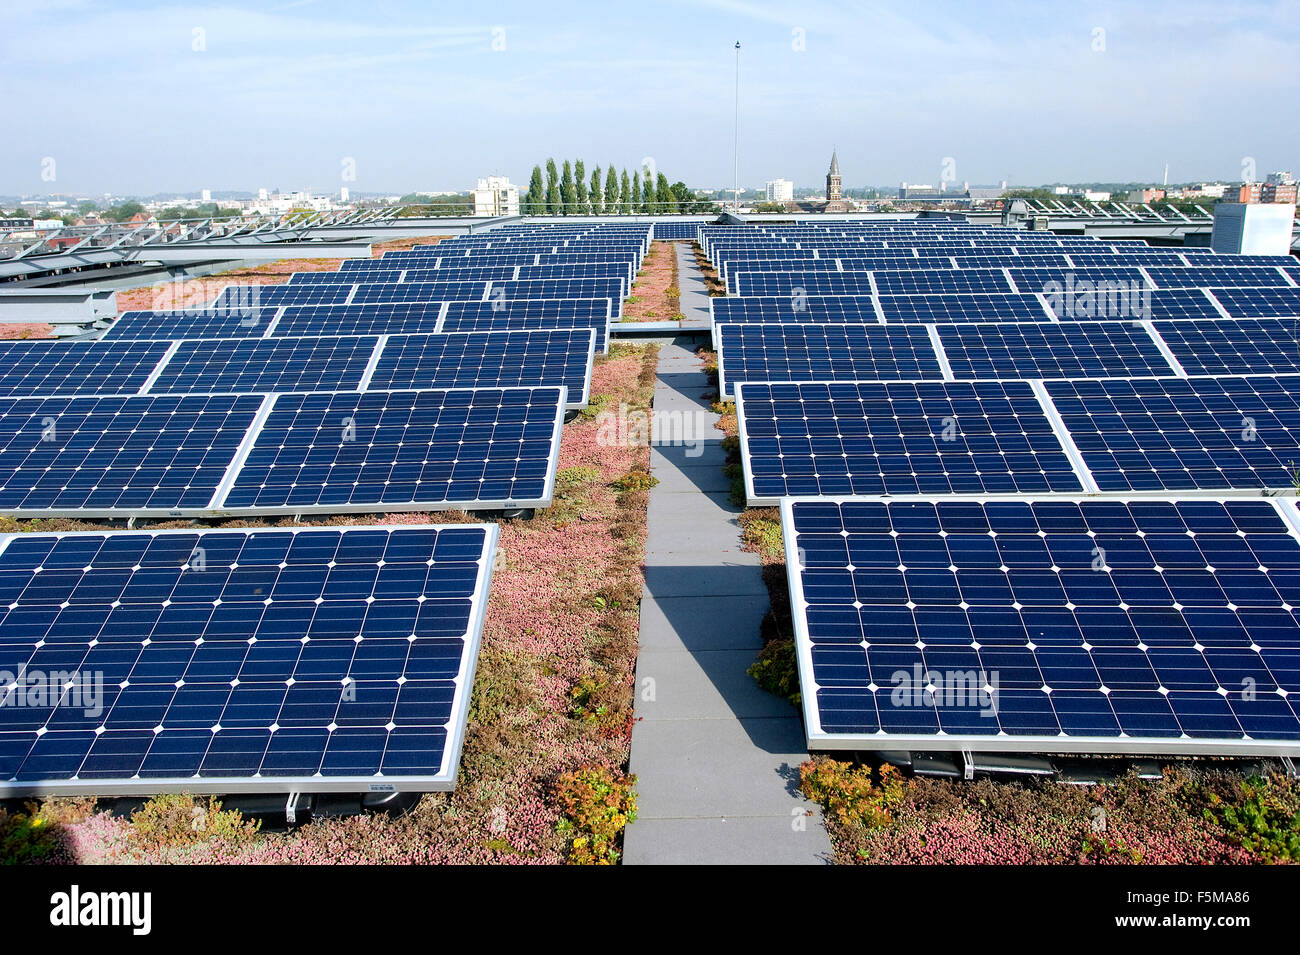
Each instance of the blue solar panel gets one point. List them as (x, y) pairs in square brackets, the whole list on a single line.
[(418, 292), (1217, 276), (947, 281), (496, 360), (1260, 302), (811, 283), (1177, 434), (670, 231), (248, 297), (191, 323), (267, 364), (1057, 279), (823, 353), (270, 660), (972, 307), (897, 438), (524, 314), (1047, 350), (1131, 304), (136, 456), (377, 319), (1051, 625), (792, 309), (46, 367), (404, 450), (1243, 346)]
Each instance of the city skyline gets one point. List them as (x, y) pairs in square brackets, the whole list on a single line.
[(310, 94)]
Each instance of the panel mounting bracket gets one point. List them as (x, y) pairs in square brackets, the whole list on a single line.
[(967, 764)]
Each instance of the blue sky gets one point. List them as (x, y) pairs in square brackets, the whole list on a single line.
[(137, 96)]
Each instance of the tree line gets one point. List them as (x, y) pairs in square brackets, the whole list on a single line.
[(566, 190)]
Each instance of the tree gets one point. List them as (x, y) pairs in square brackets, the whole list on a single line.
[(593, 193), (552, 188), (535, 201), (580, 187), (125, 211), (648, 193), (568, 194), (613, 204), (634, 204), (664, 195)]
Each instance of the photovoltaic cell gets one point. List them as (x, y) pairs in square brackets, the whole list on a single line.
[(269, 660), (823, 353), (1260, 302), (191, 323), (973, 307), (1241, 346), (394, 318), (1182, 434), (267, 364), (1046, 625), (421, 450), (152, 454), (1047, 350), (897, 438), (49, 367), (497, 360), (523, 315)]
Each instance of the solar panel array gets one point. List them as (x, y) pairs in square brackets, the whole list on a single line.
[(306, 660), (1037, 492), (270, 660)]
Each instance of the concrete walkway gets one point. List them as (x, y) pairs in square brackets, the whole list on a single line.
[(716, 757)]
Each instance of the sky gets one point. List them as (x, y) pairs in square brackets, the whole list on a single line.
[(141, 97)]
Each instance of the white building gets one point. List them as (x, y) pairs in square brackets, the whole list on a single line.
[(496, 196), (780, 190)]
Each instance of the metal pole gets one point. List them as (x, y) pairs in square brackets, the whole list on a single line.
[(735, 182)]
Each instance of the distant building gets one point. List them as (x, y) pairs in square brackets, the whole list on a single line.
[(1268, 192), (835, 187), (496, 196), (1145, 195), (780, 190), (1280, 179)]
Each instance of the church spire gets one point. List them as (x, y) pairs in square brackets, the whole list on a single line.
[(834, 184)]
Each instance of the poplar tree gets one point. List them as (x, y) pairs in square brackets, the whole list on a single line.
[(664, 198), (568, 195), (593, 193), (552, 188), (580, 187), (613, 202), (635, 203), (535, 205)]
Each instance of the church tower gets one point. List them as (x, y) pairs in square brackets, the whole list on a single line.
[(834, 185)]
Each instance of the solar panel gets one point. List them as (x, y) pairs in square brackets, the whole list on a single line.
[(1260, 302), (418, 292), (1133, 304), (497, 360), (949, 281), (525, 314), (972, 307), (269, 660), (48, 367), (266, 364), (1049, 279), (811, 283), (823, 353), (247, 297), (191, 323), (828, 438), (792, 309), (1244, 346), (1149, 626), (1047, 350), (152, 455), (1218, 276), (1182, 434), (394, 318), (480, 448)]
